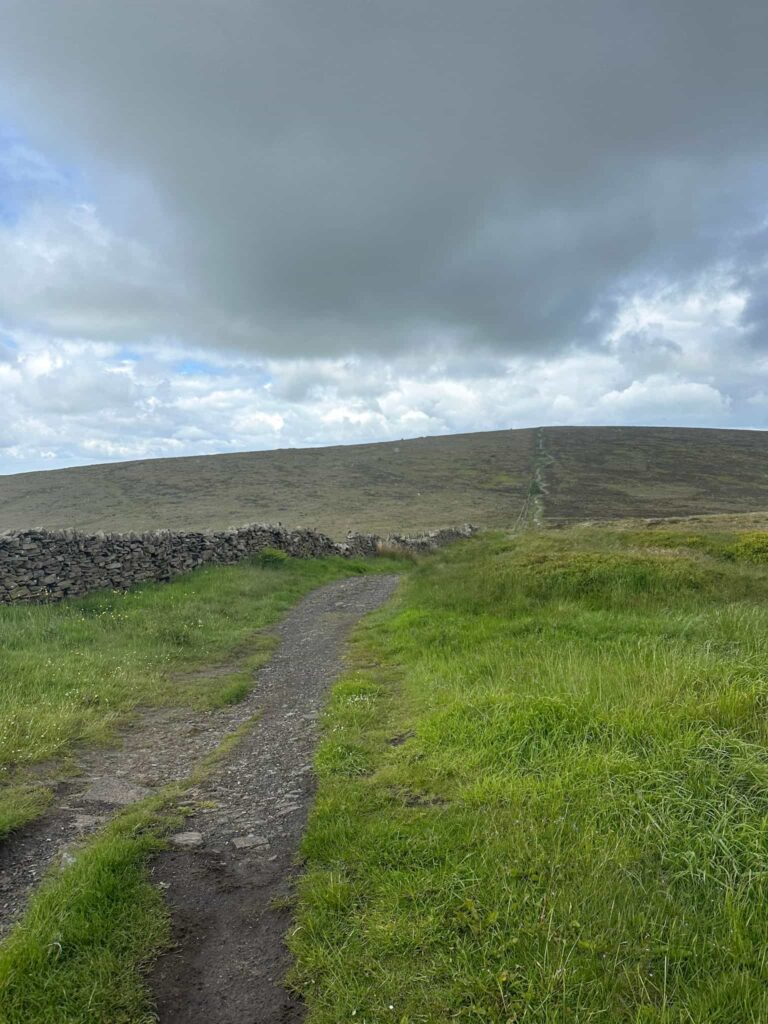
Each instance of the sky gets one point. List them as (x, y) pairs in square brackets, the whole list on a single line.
[(245, 224)]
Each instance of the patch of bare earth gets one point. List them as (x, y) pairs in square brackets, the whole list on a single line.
[(237, 856)]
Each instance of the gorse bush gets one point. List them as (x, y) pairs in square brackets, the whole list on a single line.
[(750, 547)]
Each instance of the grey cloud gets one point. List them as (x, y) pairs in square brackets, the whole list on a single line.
[(348, 176), (753, 279), (644, 352)]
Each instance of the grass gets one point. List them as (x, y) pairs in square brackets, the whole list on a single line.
[(20, 804), (396, 486), (617, 472), (79, 954), (543, 784), (544, 791), (70, 672)]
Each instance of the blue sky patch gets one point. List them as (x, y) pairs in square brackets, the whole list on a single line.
[(28, 176)]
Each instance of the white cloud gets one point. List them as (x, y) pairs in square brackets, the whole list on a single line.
[(69, 401), (661, 401), (182, 271), (674, 358)]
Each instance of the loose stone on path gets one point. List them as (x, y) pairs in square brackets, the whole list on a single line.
[(187, 839)]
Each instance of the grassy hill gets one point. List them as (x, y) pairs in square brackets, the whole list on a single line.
[(402, 485), (573, 473), (618, 472), (541, 784)]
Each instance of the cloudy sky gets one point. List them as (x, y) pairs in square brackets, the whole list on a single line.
[(242, 224)]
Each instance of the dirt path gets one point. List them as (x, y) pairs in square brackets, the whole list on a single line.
[(230, 960), (162, 745), (106, 780)]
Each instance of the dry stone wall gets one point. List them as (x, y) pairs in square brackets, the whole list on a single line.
[(44, 565)]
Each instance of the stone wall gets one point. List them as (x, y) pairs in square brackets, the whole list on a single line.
[(45, 565)]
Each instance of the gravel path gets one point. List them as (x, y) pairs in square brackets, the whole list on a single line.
[(225, 871), (160, 745)]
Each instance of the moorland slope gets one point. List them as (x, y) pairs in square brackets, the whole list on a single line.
[(378, 488), (621, 472), (555, 474)]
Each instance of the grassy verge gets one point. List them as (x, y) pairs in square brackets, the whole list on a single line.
[(70, 671), (77, 956), (544, 791)]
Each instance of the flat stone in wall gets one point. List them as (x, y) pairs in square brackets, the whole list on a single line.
[(47, 565)]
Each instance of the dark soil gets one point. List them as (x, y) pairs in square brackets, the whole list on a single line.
[(228, 876)]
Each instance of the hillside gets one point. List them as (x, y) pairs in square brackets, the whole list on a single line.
[(581, 473), (379, 488), (618, 472)]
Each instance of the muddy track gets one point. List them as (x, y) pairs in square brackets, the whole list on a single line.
[(239, 855), (229, 959)]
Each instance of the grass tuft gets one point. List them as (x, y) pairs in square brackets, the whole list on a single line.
[(77, 955), (20, 804)]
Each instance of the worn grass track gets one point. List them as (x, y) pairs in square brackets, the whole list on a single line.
[(544, 791)]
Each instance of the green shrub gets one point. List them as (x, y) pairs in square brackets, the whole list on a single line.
[(750, 547), (272, 558)]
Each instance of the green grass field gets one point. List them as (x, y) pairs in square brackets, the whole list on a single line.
[(544, 790), (70, 672)]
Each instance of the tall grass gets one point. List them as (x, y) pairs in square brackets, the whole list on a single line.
[(544, 792)]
